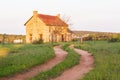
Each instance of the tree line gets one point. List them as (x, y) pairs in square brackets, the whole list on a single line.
[(111, 37), (10, 38)]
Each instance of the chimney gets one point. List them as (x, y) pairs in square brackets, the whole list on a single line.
[(58, 15), (35, 13)]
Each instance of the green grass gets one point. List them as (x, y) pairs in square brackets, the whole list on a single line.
[(22, 57), (107, 60), (71, 60)]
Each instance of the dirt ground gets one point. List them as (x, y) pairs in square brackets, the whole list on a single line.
[(60, 56), (78, 71)]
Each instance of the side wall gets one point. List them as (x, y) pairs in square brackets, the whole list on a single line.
[(34, 30)]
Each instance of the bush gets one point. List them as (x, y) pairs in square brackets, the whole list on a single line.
[(40, 41), (75, 39), (114, 40)]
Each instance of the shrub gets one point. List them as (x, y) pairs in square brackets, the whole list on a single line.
[(75, 39), (116, 39), (40, 41)]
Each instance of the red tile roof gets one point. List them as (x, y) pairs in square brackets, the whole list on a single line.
[(51, 20)]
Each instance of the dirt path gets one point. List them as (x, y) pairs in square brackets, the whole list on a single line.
[(60, 56), (77, 72)]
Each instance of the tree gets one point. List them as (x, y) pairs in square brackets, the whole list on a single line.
[(67, 19), (3, 39)]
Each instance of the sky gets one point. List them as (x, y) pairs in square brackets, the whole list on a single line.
[(90, 15)]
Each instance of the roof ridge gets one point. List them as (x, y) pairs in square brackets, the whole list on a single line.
[(48, 15), (51, 20)]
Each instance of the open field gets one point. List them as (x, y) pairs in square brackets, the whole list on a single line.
[(107, 60), (16, 58)]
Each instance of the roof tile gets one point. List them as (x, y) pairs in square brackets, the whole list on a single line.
[(51, 20)]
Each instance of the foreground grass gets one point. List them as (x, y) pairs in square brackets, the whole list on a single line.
[(71, 60), (22, 57), (107, 60)]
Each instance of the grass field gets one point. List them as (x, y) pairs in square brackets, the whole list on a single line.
[(71, 60), (107, 60), (15, 58)]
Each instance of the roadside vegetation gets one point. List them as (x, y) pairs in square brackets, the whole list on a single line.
[(107, 60), (16, 58), (115, 38), (71, 60)]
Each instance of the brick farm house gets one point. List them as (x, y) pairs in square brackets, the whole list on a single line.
[(46, 27)]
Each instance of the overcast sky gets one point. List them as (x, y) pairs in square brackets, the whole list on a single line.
[(92, 15)]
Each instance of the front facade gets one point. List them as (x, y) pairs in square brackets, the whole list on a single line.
[(46, 27)]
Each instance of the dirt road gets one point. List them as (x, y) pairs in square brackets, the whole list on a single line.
[(78, 71), (60, 56)]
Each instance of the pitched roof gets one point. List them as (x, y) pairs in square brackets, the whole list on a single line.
[(52, 20)]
